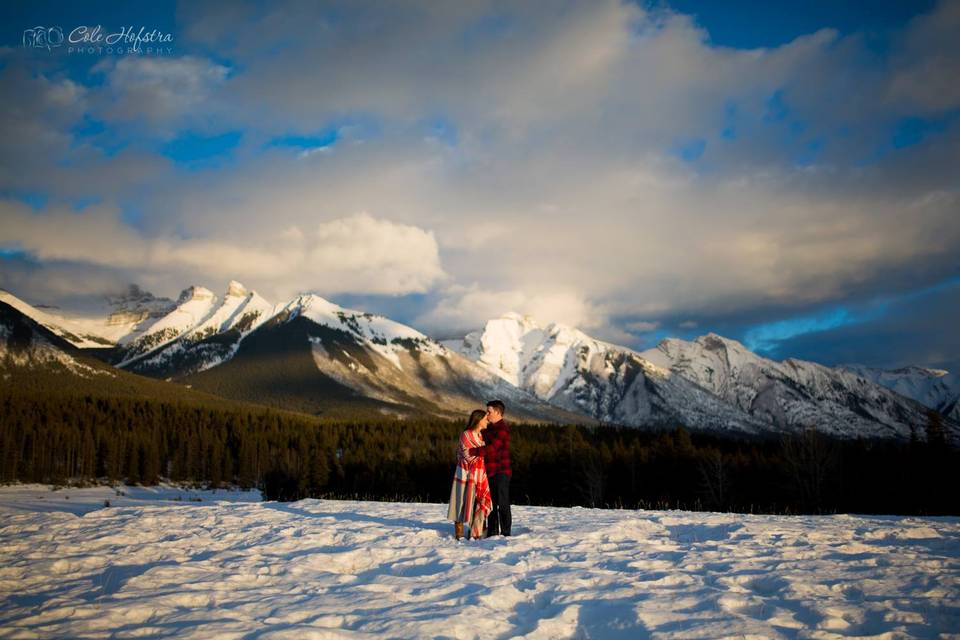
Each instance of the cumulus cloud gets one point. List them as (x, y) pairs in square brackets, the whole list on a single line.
[(466, 308), (359, 253), (158, 91), (41, 152), (33, 121), (519, 62), (363, 254)]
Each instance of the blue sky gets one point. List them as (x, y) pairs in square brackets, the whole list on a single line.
[(782, 175), (749, 24)]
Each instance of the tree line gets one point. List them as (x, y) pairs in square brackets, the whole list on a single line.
[(63, 438)]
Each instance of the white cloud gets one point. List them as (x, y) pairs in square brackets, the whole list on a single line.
[(368, 255), (358, 254), (466, 308), (158, 90), (41, 153)]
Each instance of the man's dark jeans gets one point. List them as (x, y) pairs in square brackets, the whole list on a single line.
[(499, 521)]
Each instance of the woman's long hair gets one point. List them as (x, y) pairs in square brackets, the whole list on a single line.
[(475, 418)]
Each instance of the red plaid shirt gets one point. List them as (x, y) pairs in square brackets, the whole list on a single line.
[(496, 451)]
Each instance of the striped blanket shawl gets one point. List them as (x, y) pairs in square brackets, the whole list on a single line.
[(470, 500)]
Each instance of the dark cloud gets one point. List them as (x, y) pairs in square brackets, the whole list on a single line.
[(73, 286), (921, 329)]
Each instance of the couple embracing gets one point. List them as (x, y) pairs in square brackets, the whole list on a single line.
[(480, 496)]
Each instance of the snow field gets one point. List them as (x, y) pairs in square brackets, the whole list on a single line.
[(227, 567)]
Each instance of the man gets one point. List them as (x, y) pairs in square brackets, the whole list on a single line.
[(496, 455)]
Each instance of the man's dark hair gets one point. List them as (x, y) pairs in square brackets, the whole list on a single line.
[(498, 405)]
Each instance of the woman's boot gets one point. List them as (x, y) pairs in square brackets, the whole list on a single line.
[(458, 530)]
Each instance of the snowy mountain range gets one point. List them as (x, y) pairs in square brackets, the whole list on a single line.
[(564, 366), (308, 352), (177, 343), (311, 352), (791, 394), (744, 391), (933, 388)]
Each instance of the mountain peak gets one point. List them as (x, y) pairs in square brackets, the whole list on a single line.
[(314, 301), (195, 292), (132, 297), (236, 289), (715, 340)]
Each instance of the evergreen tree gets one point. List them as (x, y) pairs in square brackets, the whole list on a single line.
[(936, 433)]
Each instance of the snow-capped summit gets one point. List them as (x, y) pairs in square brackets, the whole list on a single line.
[(195, 292), (194, 306), (208, 337), (527, 354), (236, 289), (710, 361), (935, 388), (501, 345), (381, 334), (133, 298), (127, 310)]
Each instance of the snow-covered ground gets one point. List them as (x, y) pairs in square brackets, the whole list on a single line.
[(230, 567), (28, 498)]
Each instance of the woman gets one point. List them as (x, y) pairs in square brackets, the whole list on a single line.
[(470, 500)]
